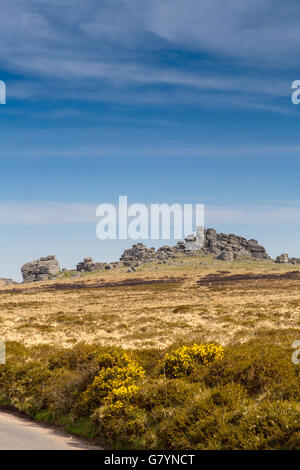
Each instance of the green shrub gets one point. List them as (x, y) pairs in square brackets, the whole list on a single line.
[(121, 425), (263, 426), (229, 395), (195, 425), (163, 392), (248, 400), (227, 419), (23, 384), (260, 368)]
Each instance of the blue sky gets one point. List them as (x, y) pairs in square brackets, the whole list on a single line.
[(160, 100)]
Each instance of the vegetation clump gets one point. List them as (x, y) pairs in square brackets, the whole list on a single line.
[(114, 385), (185, 360), (198, 396)]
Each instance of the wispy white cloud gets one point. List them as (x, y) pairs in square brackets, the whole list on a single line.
[(114, 50), (104, 150), (263, 215), (260, 32), (46, 213), (143, 74), (43, 213)]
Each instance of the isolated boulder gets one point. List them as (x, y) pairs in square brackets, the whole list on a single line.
[(284, 259), (42, 269), (88, 266)]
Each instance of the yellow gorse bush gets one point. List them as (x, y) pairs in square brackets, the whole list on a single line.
[(114, 386), (186, 359)]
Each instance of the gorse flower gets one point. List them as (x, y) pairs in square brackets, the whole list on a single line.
[(113, 386), (185, 360)]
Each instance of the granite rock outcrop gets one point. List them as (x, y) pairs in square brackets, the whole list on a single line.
[(220, 245), (285, 259), (42, 269)]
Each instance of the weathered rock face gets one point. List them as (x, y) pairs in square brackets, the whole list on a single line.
[(295, 260), (140, 254), (195, 242), (229, 247), (222, 246), (42, 269), (166, 251), (284, 259), (88, 265)]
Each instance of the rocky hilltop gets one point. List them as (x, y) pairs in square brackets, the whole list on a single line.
[(220, 245)]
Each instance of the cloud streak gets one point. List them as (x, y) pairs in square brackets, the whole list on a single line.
[(257, 32), (47, 213), (42, 213), (116, 50), (262, 215), (136, 152)]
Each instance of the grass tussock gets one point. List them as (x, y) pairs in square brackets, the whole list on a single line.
[(243, 397), (153, 315)]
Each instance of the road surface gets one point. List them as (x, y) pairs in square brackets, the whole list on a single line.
[(18, 433)]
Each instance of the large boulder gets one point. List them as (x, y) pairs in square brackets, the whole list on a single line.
[(140, 254), (227, 247), (88, 266), (42, 269), (284, 259)]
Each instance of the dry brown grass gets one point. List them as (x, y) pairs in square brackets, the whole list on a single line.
[(152, 315)]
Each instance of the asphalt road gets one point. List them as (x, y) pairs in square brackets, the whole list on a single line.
[(18, 433)]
